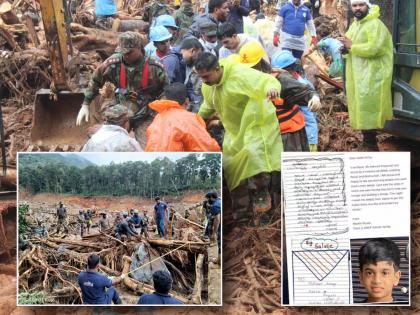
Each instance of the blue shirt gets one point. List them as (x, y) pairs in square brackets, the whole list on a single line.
[(136, 219), (331, 46), (158, 298), (160, 210), (216, 207), (174, 65), (294, 19), (105, 7), (93, 286)]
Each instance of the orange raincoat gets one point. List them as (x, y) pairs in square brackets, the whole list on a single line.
[(175, 129)]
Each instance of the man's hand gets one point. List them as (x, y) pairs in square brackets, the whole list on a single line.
[(83, 113), (347, 43), (273, 93), (316, 5), (132, 96), (314, 104), (276, 40), (314, 40)]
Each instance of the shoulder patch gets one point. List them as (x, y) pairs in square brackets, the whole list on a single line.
[(154, 62), (112, 60)]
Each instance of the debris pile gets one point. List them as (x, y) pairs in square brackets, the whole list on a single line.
[(49, 262)]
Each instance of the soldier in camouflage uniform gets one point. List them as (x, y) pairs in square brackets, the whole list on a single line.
[(184, 16), (154, 9), (139, 81)]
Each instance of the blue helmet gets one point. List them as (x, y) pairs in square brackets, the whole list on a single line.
[(282, 59), (165, 20), (159, 34)]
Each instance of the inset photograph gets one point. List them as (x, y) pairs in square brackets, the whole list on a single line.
[(380, 270), (119, 228)]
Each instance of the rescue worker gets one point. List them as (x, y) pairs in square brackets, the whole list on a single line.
[(97, 288), (368, 52), (236, 15), (285, 60), (154, 9), (208, 38), (103, 222), (139, 80), (187, 213), (81, 221), (123, 228), (208, 218), (160, 216), (176, 129), (162, 282), (169, 22), (184, 16), (172, 220), (232, 41), (290, 23), (215, 211), (293, 94), (88, 220), (191, 48), (62, 218), (113, 135), (136, 220), (332, 48), (218, 13), (41, 230), (144, 224), (252, 144), (160, 43)]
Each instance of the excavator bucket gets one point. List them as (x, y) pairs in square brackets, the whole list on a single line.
[(54, 122)]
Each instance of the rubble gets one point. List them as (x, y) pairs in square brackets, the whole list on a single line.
[(49, 266)]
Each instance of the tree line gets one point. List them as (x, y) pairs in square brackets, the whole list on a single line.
[(134, 178)]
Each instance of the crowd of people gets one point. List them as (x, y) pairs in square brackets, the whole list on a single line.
[(97, 288), (207, 82)]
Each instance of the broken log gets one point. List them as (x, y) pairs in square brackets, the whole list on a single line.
[(76, 243), (196, 295), (143, 288), (190, 246)]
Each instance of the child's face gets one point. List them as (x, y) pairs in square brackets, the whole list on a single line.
[(378, 280)]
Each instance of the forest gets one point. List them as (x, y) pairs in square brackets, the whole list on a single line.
[(135, 178)]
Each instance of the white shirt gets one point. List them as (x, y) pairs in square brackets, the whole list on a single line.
[(111, 138), (243, 39)]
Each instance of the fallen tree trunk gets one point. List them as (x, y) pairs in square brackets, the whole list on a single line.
[(76, 243), (196, 295), (189, 246), (142, 288)]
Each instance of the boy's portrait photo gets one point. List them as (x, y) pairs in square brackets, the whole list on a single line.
[(380, 271)]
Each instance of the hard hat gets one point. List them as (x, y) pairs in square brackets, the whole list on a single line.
[(282, 59), (159, 34), (136, 211), (125, 213), (166, 20), (251, 53)]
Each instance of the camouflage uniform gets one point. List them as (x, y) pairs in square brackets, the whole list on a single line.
[(184, 16), (109, 71), (153, 10)]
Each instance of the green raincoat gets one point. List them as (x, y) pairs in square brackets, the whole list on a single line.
[(252, 142), (369, 72)]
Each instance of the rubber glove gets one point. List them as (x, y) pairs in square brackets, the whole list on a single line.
[(276, 40), (314, 103), (83, 113), (314, 41), (316, 5)]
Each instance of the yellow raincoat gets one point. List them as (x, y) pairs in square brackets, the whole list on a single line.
[(252, 142), (369, 72)]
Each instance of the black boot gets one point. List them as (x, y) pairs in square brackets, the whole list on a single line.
[(369, 140)]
